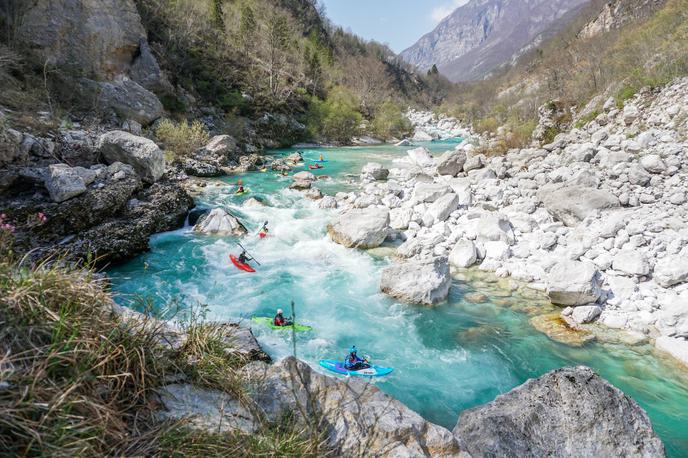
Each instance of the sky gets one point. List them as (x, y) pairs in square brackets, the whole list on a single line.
[(398, 23)]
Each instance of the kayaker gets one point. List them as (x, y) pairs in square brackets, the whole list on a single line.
[(322, 158), (352, 362), (241, 189), (244, 258), (280, 320), (264, 230)]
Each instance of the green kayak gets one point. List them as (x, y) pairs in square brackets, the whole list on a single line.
[(266, 321)]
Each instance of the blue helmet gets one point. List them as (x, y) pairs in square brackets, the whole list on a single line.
[(352, 349)]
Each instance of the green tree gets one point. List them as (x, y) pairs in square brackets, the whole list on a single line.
[(247, 28), (389, 122), (433, 71)]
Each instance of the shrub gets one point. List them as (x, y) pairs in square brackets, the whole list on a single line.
[(172, 103), (335, 119), (484, 125), (390, 122), (583, 120), (181, 139)]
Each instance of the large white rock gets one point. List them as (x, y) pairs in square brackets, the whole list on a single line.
[(399, 218), (495, 227), (572, 204), (586, 313), (375, 171), (573, 283), (678, 348), (417, 282), (64, 182), (219, 222), (360, 228), (429, 192), (451, 163), (497, 251), (421, 157), (671, 270), (422, 136), (653, 163), (440, 209), (139, 152), (631, 263), (223, 145), (464, 254)]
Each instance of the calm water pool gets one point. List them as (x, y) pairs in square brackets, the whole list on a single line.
[(446, 359)]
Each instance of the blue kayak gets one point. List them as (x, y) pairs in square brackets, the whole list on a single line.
[(313, 160), (338, 367)]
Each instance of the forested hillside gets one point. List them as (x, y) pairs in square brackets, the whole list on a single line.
[(272, 71)]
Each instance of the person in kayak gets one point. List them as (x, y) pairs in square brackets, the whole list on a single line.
[(280, 320), (240, 190), (353, 363), (322, 158), (244, 258), (264, 230)]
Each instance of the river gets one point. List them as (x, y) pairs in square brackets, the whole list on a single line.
[(448, 358)]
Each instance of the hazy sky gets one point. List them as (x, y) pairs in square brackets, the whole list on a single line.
[(398, 23)]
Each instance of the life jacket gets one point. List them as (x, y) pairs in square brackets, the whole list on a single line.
[(279, 320)]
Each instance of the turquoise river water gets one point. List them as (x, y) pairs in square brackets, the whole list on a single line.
[(448, 358)]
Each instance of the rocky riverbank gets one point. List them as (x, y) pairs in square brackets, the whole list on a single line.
[(597, 219)]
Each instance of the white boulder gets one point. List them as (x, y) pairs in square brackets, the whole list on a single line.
[(421, 157), (375, 171), (631, 263), (586, 313), (440, 209), (219, 222), (573, 283), (451, 163), (671, 270), (139, 152), (417, 282), (360, 228), (464, 254)]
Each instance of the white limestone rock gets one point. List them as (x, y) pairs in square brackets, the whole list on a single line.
[(417, 282), (671, 270), (219, 222), (573, 283), (631, 263), (360, 228), (463, 255)]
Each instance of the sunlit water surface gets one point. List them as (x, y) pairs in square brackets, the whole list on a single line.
[(446, 359)]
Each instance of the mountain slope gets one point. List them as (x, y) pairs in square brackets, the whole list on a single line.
[(480, 36)]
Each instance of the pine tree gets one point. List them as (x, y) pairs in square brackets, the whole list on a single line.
[(433, 71)]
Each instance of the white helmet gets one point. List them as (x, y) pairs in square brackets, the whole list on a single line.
[(279, 311)]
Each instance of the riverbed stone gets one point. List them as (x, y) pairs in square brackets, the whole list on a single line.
[(417, 282), (573, 283), (631, 262), (374, 171), (421, 157), (139, 152), (360, 228), (219, 222), (572, 204), (463, 255), (429, 192), (585, 313), (440, 210), (63, 182), (671, 270), (567, 412), (451, 163)]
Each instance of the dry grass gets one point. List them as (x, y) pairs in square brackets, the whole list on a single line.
[(76, 379)]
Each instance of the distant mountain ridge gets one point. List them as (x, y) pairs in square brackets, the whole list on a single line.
[(479, 37)]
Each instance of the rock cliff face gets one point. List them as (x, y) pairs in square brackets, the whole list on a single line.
[(483, 34), (566, 412), (617, 13), (104, 44)]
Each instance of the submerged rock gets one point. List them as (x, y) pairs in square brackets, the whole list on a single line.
[(554, 326), (219, 222), (568, 412), (417, 282), (360, 228)]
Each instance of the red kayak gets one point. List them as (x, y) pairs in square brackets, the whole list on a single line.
[(262, 235), (315, 167), (240, 265)]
